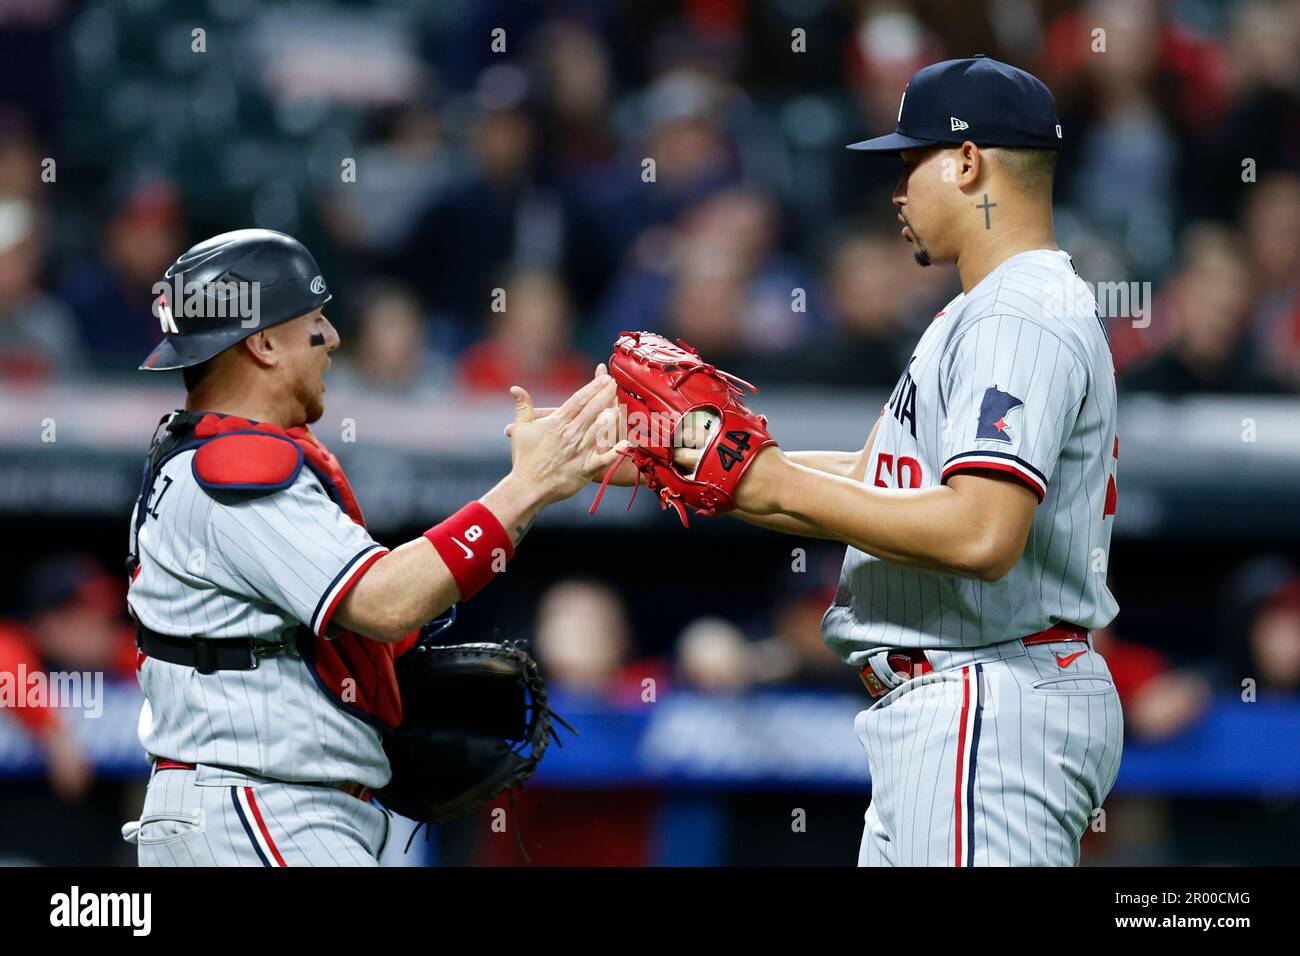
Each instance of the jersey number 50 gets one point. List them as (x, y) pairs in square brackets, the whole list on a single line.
[(885, 465)]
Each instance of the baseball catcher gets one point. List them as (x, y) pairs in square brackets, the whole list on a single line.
[(287, 681)]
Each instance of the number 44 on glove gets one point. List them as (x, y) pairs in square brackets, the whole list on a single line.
[(670, 394)]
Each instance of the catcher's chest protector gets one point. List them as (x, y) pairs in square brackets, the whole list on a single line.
[(354, 672)]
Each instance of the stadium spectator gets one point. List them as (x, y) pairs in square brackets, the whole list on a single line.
[(112, 295), (389, 351), (888, 45), (74, 625), (577, 95), (528, 343), (778, 646), (585, 644), (506, 211), (871, 335), (684, 115), (1275, 640), (719, 279), (1261, 627), (1272, 236), (1207, 305), (39, 340), (713, 655), (1133, 84), (1160, 700), (1257, 133), (797, 631), (404, 165), (21, 159)]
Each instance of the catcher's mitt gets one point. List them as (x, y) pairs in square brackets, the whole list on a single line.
[(661, 384), (475, 724)]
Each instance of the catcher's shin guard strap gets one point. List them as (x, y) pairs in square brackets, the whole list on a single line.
[(474, 547)]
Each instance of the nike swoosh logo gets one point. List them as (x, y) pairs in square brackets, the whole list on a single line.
[(1063, 661), (468, 552)]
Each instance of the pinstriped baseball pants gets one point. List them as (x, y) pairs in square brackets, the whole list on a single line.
[(217, 817), (998, 758)]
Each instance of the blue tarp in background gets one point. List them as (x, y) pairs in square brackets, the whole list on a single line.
[(776, 739)]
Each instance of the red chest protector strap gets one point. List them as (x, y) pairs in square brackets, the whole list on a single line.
[(236, 454)]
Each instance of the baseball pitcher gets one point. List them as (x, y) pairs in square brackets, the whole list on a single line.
[(977, 515), (268, 618)]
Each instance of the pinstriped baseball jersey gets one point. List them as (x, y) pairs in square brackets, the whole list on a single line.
[(239, 565), (1014, 376)]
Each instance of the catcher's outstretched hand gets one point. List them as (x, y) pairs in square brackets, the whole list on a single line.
[(560, 451), (611, 431), (544, 411)]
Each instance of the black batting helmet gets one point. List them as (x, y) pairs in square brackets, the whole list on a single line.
[(228, 287)]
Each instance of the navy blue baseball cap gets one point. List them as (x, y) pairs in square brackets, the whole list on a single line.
[(985, 101)]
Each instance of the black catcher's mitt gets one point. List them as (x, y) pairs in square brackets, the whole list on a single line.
[(475, 724)]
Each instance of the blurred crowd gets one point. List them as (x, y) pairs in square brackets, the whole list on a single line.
[(492, 207), (68, 617)]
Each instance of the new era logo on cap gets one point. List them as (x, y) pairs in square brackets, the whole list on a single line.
[(984, 100)]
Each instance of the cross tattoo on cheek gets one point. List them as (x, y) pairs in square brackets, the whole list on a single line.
[(986, 207)]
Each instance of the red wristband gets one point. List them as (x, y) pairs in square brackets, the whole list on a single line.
[(474, 547)]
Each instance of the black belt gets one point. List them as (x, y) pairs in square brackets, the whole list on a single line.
[(205, 654)]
